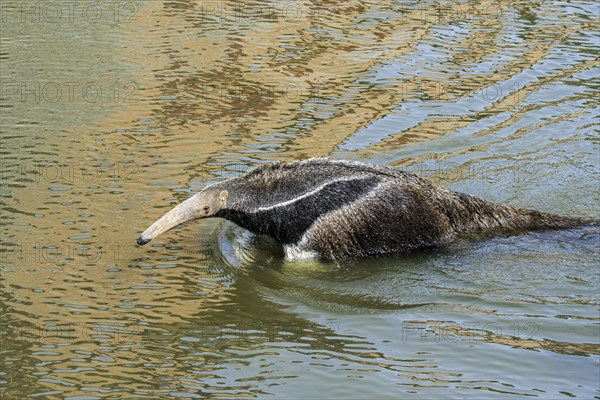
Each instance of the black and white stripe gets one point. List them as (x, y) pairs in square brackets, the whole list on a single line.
[(288, 220)]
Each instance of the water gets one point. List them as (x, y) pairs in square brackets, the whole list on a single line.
[(113, 112)]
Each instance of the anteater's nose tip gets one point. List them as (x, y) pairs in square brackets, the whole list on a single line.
[(142, 241)]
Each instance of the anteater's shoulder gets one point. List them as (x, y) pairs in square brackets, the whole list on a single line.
[(325, 166)]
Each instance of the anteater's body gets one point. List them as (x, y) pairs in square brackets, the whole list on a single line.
[(341, 209)]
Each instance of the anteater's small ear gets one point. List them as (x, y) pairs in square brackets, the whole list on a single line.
[(223, 197)]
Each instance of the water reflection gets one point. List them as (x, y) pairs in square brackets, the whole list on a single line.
[(109, 119)]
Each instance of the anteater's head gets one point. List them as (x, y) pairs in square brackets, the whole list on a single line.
[(205, 204)]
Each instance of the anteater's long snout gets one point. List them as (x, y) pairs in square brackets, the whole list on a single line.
[(184, 212)]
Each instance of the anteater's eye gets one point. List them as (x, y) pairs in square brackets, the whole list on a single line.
[(205, 208)]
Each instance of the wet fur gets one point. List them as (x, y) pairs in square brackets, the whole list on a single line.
[(341, 209)]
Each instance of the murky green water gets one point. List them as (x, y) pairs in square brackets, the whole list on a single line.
[(113, 112)]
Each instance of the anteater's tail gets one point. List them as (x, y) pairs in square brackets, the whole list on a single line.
[(471, 214), (540, 220)]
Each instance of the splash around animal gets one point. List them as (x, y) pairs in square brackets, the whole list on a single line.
[(334, 210)]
